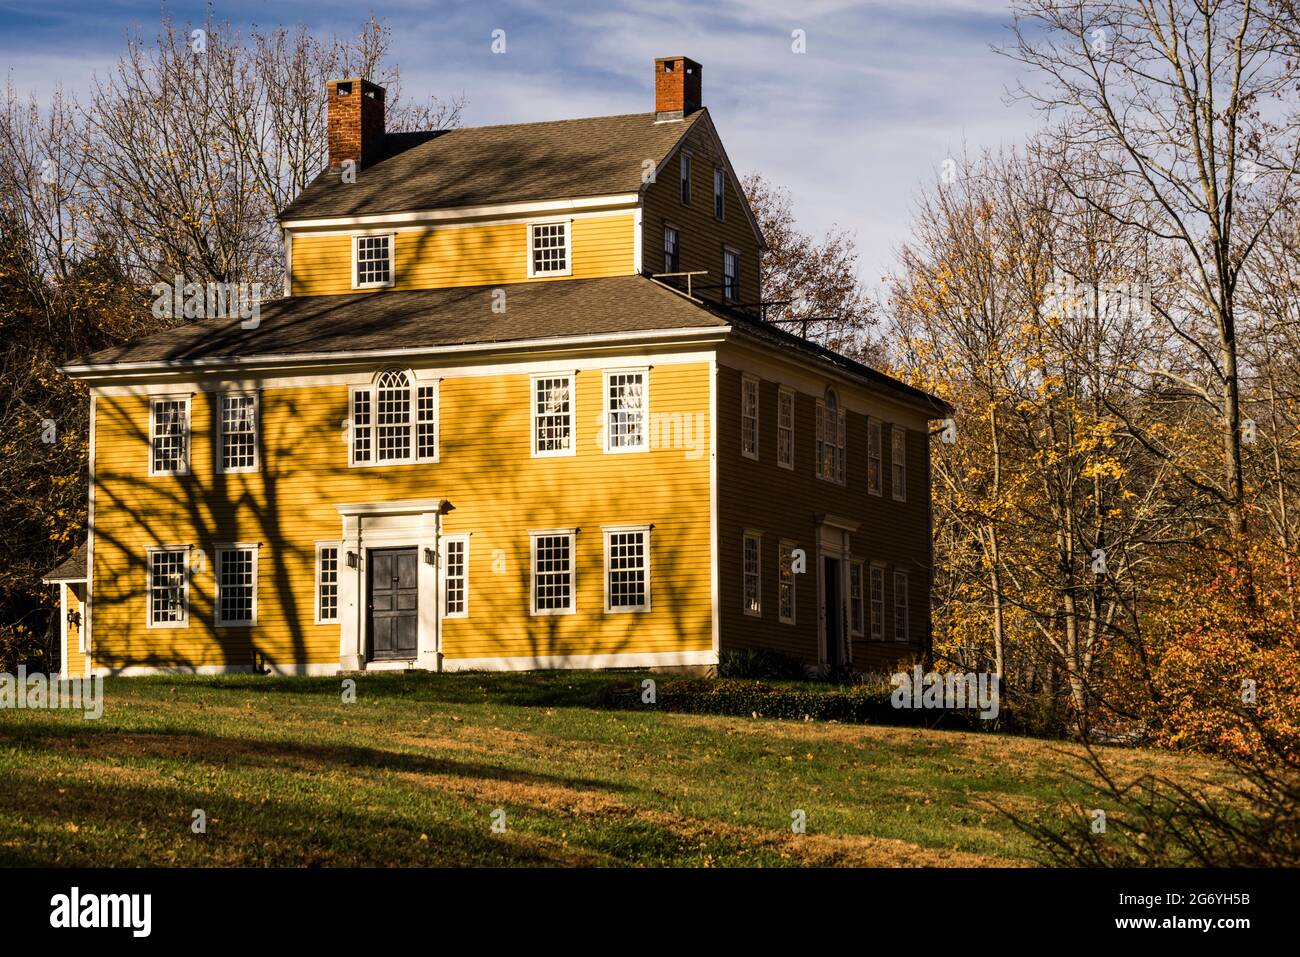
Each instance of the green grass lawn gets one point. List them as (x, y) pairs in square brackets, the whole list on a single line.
[(411, 773)]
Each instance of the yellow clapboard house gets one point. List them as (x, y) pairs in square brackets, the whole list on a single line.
[(516, 409)]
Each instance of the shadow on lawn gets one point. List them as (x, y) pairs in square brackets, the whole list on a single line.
[(257, 753), (132, 824)]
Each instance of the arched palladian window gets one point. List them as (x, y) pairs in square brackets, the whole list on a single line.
[(394, 420), (831, 459)]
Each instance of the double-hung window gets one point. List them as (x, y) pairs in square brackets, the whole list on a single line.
[(857, 603), (730, 275), (553, 405), (327, 582), (749, 417), (238, 445), (455, 584), (900, 606), (874, 467), (236, 575), (169, 586), (169, 435), (552, 561), (785, 590), (627, 404), (751, 560), (394, 421), (830, 439), (372, 258), (685, 175), (672, 249), (627, 568), (877, 601), (785, 427), (548, 249), (719, 193), (898, 463)]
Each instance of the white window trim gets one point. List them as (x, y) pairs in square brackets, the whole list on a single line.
[(781, 548), (899, 492), (415, 386), (609, 530), (447, 540), (874, 429), (217, 552), (568, 247), (533, 536), (745, 380), (720, 173), (573, 414), (644, 372), (873, 569), (781, 393), (907, 622), (686, 165), (338, 572), (148, 583), (829, 441), (221, 433), (735, 252), (189, 437), (678, 230), (744, 604), (392, 259), (864, 597)]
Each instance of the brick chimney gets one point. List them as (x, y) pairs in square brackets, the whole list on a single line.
[(677, 87), (356, 121)]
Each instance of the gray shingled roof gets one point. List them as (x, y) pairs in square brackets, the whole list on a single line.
[(72, 568), (429, 318), (489, 165), (422, 318)]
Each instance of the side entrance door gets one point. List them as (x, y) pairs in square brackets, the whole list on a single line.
[(393, 605)]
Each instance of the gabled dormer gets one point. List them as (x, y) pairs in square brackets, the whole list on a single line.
[(645, 193)]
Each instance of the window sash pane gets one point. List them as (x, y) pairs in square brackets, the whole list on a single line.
[(752, 580), (373, 265), (327, 583), (627, 565), (236, 571), (900, 606), (785, 596), (238, 432), (877, 604), (170, 428), (361, 425), (625, 422), (749, 417), (456, 577), (168, 587), (552, 415), (553, 572), (550, 248)]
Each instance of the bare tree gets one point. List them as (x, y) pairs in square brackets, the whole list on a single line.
[(813, 283), (1190, 104)]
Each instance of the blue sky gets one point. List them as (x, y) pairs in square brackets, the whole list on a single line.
[(853, 127)]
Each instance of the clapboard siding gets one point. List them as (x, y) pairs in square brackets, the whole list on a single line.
[(464, 256), (702, 236), (781, 504), (499, 491)]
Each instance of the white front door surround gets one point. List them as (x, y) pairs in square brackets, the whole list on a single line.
[(834, 541), (367, 525)]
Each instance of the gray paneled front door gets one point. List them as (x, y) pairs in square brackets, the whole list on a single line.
[(394, 603)]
